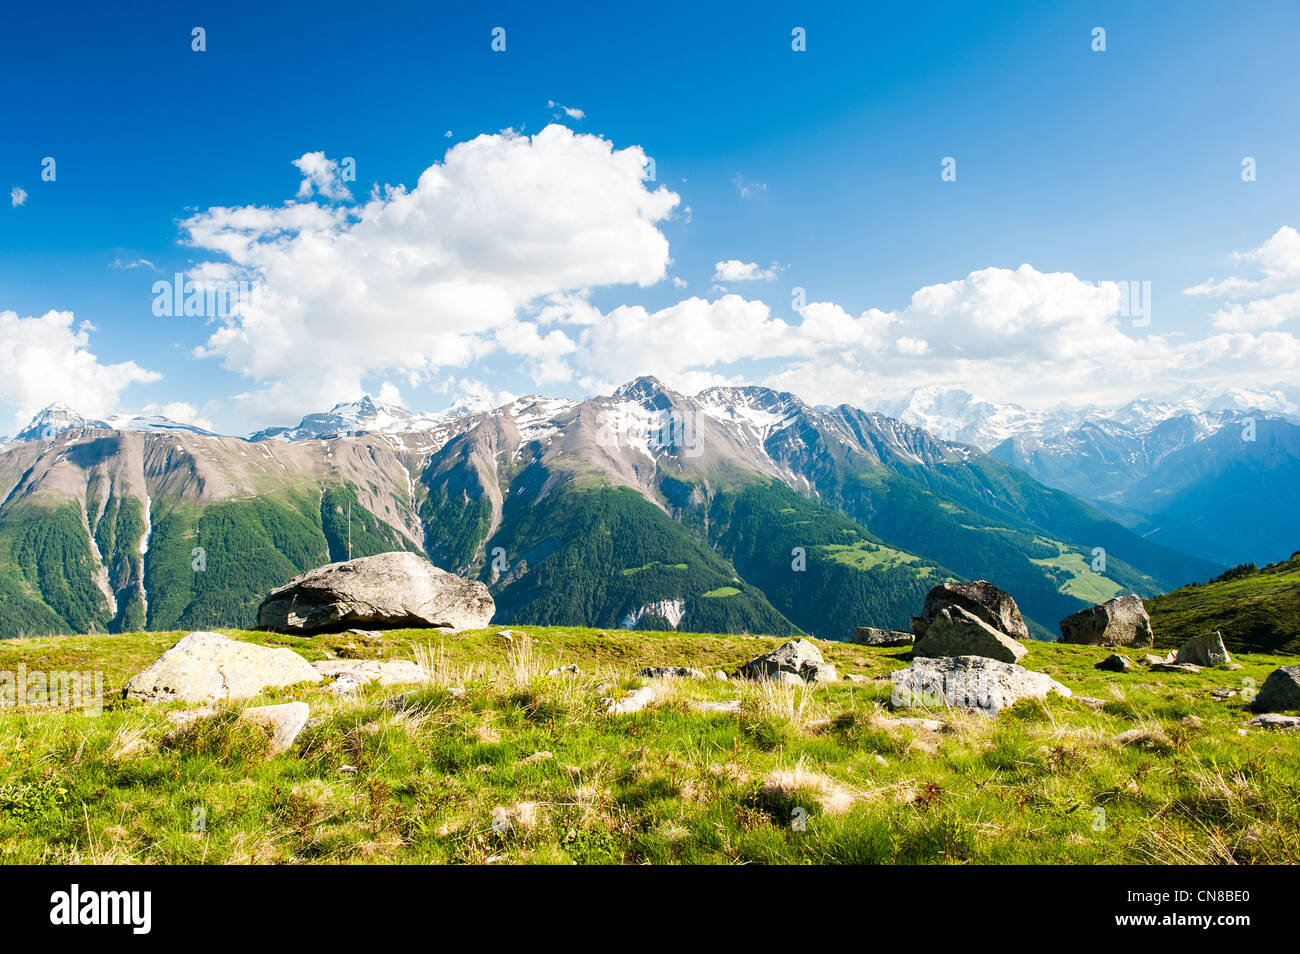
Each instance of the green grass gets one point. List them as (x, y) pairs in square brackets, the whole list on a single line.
[(1257, 611), (721, 591), (1077, 576), (526, 767)]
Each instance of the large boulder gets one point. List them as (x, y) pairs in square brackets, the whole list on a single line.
[(1280, 692), (285, 721), (208, 667), (870, 636), (792, 662), (386, 591), (981, 599), (955, 632), (969, 682), (1122, 621), (1204, 650)]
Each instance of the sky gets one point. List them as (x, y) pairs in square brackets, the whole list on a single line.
[(434, 203)]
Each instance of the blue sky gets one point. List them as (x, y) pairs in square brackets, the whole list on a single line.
[(1122, 165)]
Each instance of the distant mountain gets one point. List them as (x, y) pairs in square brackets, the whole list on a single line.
[(59, 417), (1256, 609), (1204, 472), (352, 418), (738, 509)]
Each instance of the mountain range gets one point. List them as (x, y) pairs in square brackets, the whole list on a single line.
[(1209, 473), (737, 509)]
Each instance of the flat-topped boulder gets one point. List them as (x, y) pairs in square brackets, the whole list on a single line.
[(793, 662), (969, 682), (385, 672), (385, 591), (981, 599), (209, 667), (1122, 621), (955, 632), (1115, 663), (871, 636)]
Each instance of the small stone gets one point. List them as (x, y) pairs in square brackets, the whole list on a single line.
[(1115, 663), (285, 722)]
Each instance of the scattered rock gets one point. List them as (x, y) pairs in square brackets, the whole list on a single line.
[(285, 722), (670, 672), (731, 706), (720, 676), (208, 667), (1092, 702), (870, 636), (1280, 692), (634, 701), (1276, 721), (386, 672), (955, 632), (1115, 663), (570, 670), (388, 590), (1122, 621), (186, 716), (1204, 650), (856, 677), (981, 599), (1149, 659), (925, 725), (345, 685), (1223, 693), (969, 682), (1175, 667), (793, 662)]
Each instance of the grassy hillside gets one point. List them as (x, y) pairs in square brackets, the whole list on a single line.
[(522, 766), (1257, 610)]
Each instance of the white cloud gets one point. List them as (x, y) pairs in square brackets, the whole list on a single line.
[(43, 360), (320, 176), (1278, 262), (18, 196), (571, 111), (137, 263), (747, 189), (430, 277), (734, 270)]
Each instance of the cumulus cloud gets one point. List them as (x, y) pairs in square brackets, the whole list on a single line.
[(734, 270), (320, 176), (181, 413), (45, 359), (434, 276), (18, 196), (1274, 293)]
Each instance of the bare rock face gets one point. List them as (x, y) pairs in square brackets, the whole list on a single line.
[(794, 662), (1204, 650), (208, 667), (955, 632), (969, 682), (981, 599), (1280, 692), (870, 636), (385, 591), (1122, 621)]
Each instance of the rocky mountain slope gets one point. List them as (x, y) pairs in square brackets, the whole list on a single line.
[(738, 509)]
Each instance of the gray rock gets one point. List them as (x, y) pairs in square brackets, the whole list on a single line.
[(1150, 659), (209, 667), (388, 591), (1115, 663), (285, 722), (1280, 692), (1175, 667), (670, 672), (794, 662), (870, 636), (969, 682), (1272, 720), (633, 701), (1122, 621), (385, 672), (981, 599), (1204, 650), (955, 632)]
